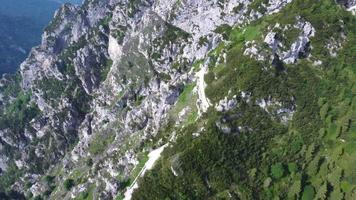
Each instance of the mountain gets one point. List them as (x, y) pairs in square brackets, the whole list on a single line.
[(21, 26), (193, 99)]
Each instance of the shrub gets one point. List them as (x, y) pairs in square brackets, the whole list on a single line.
[(100, 143), (308, 193), (89, 162), (49, 179), (68, 184), (277, 171), (292, 167)]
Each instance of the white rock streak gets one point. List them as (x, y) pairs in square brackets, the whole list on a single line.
[(203, 101), (153, 156), (114, 49)]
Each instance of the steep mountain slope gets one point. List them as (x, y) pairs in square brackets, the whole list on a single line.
[(286, 126), (243, 100)]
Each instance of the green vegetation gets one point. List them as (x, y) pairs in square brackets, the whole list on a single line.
[(311, 156), (238, 8), (120, 34), (100, 143), (308, 193), (203, 41), (258, 6), (106, 68), (11, 88), (172, 34), (16, 112), (277, 171), (186, 104), (72, 86), (50, 182), (185, 96), (224, 30), (68, 184), (13, 173), (52, 89), (246, 34), (197, 64), (57, 19), (133, 7), (87, 194), (105, 22), (19, 113)]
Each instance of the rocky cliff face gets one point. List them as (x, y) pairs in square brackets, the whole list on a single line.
[(347, 3), (114, 79)]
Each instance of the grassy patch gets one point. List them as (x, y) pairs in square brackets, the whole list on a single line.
[(100, 143)]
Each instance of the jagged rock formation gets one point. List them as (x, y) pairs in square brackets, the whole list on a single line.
[(347, 3), (112, 77)]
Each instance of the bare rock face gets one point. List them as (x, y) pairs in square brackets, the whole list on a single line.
[(299, 48), (347, 3)]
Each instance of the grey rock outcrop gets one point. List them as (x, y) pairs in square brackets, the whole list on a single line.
[(347, 3)]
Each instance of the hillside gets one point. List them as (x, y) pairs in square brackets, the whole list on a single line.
[(193, 99)]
